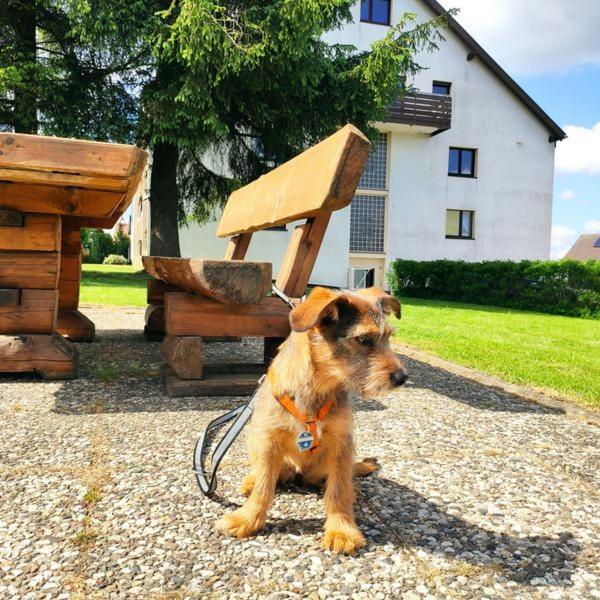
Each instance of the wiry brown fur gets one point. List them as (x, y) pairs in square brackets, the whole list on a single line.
[(339, 343)]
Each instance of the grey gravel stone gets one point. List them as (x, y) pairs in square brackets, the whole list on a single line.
[(480, 494)]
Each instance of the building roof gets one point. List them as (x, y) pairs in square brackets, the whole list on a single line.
[(556, 133), (585, 248)]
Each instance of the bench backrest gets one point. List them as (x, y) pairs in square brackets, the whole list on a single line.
[(310, 186)]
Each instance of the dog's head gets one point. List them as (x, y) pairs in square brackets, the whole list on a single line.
[(349, 335)]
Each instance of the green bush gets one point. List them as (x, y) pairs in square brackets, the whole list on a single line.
[(564, 287), (97, 245), (115, 259)]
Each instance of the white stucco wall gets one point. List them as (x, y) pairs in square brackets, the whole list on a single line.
[(512, 194)]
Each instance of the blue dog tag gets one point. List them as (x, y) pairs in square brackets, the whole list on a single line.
[(305, 441)]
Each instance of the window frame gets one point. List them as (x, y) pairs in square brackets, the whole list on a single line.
[(460, 212), (473, 174), (370, 18), (446, 84)]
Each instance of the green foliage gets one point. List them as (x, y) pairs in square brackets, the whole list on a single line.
[(564, 287), (98, 245), (115, 259), (254, 83)]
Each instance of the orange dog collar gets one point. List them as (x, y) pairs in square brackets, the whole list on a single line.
[(308, 440)]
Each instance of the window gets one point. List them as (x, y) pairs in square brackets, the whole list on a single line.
[(459, 224), (441, 87), (375, 11), (461, 162), (367, 223), (374, 176)]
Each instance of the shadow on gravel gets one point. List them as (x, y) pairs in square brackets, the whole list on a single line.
[(389, 513), (476, 395)]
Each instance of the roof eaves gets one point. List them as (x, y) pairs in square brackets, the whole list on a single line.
[(556, 133)]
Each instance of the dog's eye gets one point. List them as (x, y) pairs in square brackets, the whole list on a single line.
[(365, 340)]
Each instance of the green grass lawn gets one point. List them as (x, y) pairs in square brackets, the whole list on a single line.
[(113, 285), (558, 354), (554, 353)]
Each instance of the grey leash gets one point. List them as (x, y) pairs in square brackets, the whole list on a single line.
[(207, 476)]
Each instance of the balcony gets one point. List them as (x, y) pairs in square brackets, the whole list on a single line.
[(421, 113)]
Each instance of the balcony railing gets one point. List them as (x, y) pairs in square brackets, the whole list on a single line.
[(429, 111)]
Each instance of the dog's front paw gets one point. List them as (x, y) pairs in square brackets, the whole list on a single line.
[(346, 539), (240, 524)]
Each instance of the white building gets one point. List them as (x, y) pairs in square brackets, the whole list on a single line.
[(462, 171)]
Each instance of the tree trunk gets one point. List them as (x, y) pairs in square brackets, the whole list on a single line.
[(164, 201), (25, 101)]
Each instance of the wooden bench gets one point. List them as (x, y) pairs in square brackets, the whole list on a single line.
[(49, 189), (194, 298)]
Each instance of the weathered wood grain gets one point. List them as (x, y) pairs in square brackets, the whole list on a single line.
[(48, 355), (321, 179), (36, 313), (238, 246), (33, 270), (300, 256), (242, 381), (40, 233), (229, 281), (188, 314), (185, 355), (75, 326)]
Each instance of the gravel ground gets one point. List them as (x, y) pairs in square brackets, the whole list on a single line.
[(481, 495)]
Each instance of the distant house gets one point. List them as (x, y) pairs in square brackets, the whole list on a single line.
[(587, 247)]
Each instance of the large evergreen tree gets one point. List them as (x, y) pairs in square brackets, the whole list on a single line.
[(220, 90)]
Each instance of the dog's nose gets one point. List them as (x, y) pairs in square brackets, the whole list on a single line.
[(399, 377)]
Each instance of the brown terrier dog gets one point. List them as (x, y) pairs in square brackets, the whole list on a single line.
[(302, 421)]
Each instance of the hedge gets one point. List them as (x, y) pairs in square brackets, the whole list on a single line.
[(564, 287)]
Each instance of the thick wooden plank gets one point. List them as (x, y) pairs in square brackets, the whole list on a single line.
[(59, 201), (62, 155), (40, 233), (34, 270), (213, 384), (156, 290), (229, 281), (68, 295), (10, 297), (187, 314), (321, 179), (300, 256), (238, 246), (28, 177), (36, 313), (74, 325), (11, 218), (70, 267), (184, 355), (48, 355)]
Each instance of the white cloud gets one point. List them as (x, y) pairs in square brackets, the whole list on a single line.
[(562, 239), (591, 227), (567, 195), (534, 36), (580, 152)]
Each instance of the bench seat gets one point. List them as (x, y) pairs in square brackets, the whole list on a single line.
[(228, 281)]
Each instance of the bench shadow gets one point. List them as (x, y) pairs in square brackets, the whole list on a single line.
[(121, 372), (389, 513)]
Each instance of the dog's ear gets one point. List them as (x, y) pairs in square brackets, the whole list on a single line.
[(386, 302), (320, 305)]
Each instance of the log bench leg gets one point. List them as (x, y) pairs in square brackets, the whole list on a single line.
[(184, 355), (50, 356), (74, 325), (154, 329)]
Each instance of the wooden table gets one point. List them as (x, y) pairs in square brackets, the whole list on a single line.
[(49, 189)]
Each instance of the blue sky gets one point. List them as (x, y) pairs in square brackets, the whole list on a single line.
[(552, 49)]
